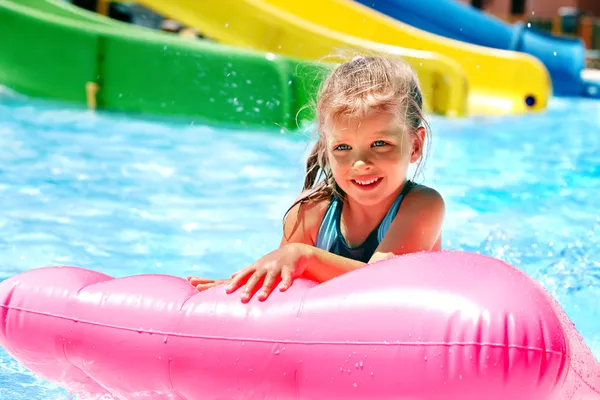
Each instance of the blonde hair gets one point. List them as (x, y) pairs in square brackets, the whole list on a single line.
[(355, 89)]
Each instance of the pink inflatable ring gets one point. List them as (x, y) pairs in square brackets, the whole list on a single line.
[(443, 325)]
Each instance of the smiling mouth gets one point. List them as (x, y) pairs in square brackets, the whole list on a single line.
[(367, 183)]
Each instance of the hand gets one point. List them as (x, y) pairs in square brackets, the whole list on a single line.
[(282, 265), (202, 284)]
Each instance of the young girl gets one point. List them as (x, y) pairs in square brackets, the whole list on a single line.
[(371, 127)]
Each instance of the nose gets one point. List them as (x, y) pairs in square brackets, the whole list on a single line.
[(362, 162)]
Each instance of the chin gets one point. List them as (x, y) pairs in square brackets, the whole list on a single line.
[(368, 199), (370, 195)]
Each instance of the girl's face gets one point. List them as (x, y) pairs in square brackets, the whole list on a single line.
[(369, 157)]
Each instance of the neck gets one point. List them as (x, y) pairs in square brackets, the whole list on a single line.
[(359, 213)]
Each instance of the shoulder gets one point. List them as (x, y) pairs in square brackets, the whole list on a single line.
[(417, 226), (303, 220), (422, 205), (422, 196)]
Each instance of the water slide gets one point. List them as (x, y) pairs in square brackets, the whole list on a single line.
[(51, 49), (563, 57), (257, 25), (499, 82)]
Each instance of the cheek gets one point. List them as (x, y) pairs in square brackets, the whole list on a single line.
[(338, 168), (337, 161), (397, 155)]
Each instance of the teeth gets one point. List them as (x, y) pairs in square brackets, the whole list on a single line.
[(366, 182)]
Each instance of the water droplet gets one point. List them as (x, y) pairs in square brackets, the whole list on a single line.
[(459, 376), (360, 364), (354, 384), (372, 373), (450, 351), (276, 352), (425, 358)]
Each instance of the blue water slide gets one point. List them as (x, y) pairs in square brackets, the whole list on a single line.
[(563, 57)]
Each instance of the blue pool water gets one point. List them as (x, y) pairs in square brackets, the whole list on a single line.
[(125, 195)]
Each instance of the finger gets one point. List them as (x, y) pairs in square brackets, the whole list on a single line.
[(267, 286), (251, 285), (195, 277), (195, 280), (204, 286), (286, 280), (239, 280)]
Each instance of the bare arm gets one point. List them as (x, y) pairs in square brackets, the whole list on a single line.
[(321, 265), (415, 229), (300, 230)]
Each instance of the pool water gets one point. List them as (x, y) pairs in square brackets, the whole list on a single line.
[(126, 195)]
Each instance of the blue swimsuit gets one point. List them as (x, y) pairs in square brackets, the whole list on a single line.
[(330, 236)]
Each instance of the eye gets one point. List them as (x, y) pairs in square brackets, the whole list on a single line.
[(342, 147), (379, 143)]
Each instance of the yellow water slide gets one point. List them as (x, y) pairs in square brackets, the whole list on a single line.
[(498, 81), (258, 25)]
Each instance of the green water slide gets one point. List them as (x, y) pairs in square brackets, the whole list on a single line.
[(54, 50)]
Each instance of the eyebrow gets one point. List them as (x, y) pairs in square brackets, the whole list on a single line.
[(386, 132), (381, 132)]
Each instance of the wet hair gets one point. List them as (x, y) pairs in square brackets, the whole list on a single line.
[(356, 89)]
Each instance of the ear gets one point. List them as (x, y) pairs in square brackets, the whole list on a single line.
[(417, 144)]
